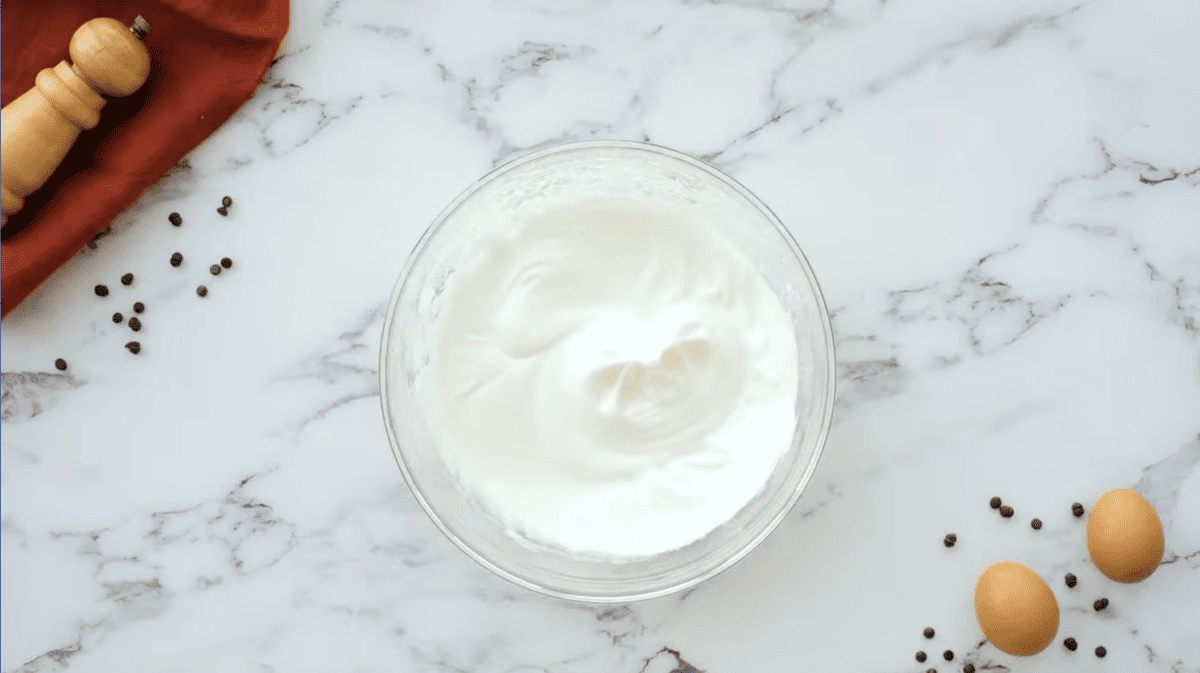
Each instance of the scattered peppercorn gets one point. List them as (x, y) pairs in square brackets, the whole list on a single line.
[(1077, 509), (202, 291), (214, 269), (948, 655), (226, 262), (117, 318), (101, 290), (1070, 644), (134, 347), (1036, 523), (1071, 580), (60, 364), (1100, 651), (921, 657), (223, 210), (138, 307), (127, 279), (226, 201), (950, 539), (1006, 512), (969, 668), (928, 632), (1100, 604), (176, 259), (995, 503), (135, 324), (175, 218)]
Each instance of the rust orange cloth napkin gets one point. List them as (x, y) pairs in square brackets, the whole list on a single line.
[(206, 59)]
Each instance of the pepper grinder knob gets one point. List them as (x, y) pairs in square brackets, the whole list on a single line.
[(39, 127)]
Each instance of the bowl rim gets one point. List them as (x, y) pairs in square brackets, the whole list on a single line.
[(403, 280)]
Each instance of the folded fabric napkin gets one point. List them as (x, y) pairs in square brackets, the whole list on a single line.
[(206, 59)]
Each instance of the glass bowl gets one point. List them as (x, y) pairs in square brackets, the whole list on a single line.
[(495, 206)]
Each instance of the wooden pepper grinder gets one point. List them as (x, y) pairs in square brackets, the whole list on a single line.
[(42, 125)]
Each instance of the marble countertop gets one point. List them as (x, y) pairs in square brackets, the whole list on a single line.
[(1000, 199)]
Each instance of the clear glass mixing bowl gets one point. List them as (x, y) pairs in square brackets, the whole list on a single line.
[(495, 206)]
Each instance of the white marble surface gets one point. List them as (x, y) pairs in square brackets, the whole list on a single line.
[(1001, 200)]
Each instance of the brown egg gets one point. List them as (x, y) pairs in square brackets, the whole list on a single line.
[(1124, 536), (1016, 609)]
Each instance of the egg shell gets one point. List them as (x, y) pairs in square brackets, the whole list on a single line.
[(1016, 609), (1125, 536)]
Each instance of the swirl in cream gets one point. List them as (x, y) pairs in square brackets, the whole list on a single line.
[(614, 380)]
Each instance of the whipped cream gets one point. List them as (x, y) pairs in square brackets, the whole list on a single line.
[(614, 380)]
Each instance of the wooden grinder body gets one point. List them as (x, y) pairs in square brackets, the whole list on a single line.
[(40, 126)]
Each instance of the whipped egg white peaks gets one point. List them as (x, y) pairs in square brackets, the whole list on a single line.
[(614, 380)]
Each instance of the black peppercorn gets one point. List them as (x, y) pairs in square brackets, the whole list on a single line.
[(127, 279), (1006, 512), (117, 318), (948, 655), (135, 324), (995, 503), (226, 262), (223, 210), (226, 201), (1100, 651), (921, 657), (928, 632), (214, 269), (1100, 604), (1071, 580), (176, 259), (138, 307), (1077, 509), (950, 539), (101, 290), (969, 668), (1070, 644), (202, 291), (60, 364), (134, 347), (1036, 524), (175, 219)]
